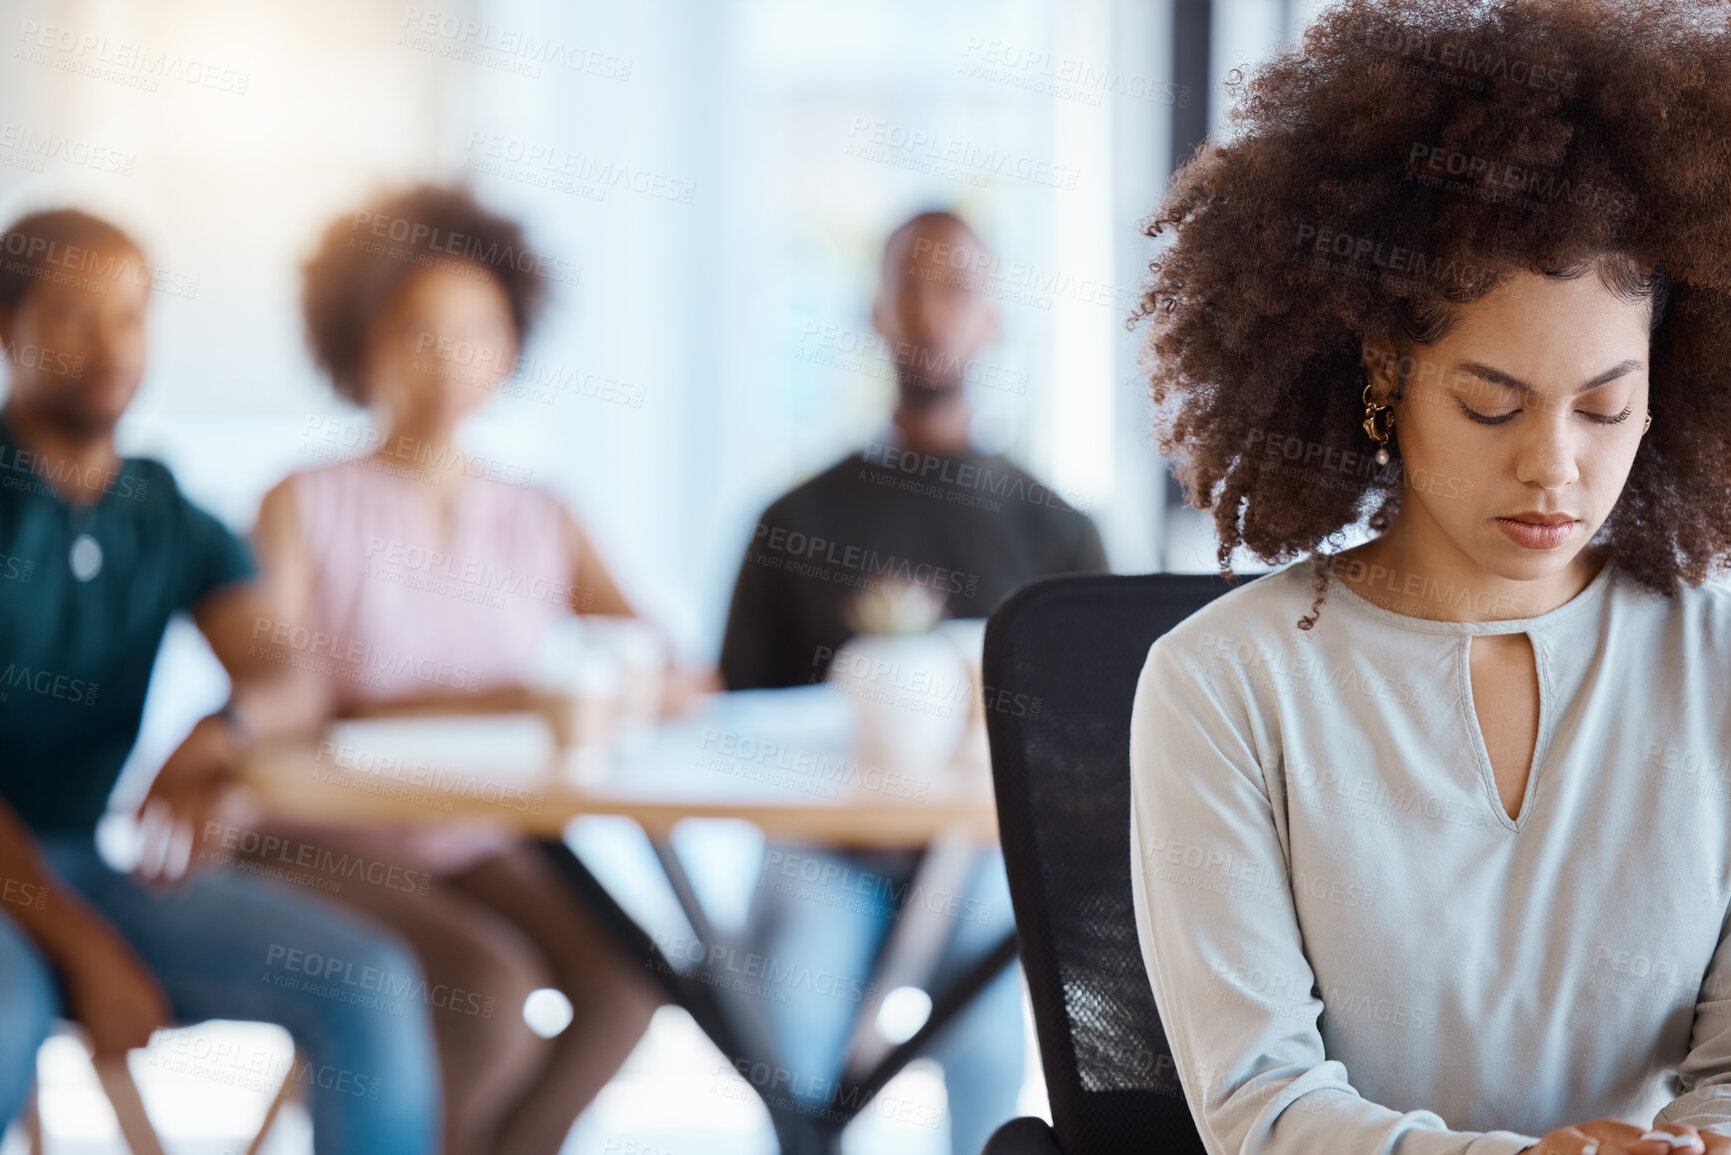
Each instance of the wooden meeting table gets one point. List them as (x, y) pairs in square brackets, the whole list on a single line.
[(783, 760)]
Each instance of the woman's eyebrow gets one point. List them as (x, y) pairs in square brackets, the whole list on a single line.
[(1498, 377)]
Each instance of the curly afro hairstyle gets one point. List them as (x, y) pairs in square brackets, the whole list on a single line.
[(1409, 156), (365, 258)]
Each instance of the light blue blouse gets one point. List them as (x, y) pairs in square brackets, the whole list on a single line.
[(1355, 949)]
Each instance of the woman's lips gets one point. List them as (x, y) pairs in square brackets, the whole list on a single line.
[(1529, 536)]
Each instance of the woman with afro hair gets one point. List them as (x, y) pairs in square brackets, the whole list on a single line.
[(1431, 836), (438, 573)]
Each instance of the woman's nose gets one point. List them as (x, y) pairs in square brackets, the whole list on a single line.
[(1547, 454)]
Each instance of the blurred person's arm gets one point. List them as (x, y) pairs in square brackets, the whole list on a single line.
[(274, 695), (271, 696), (593, 590), (108, 990)]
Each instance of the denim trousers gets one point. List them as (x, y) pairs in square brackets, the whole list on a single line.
[(230, 945)]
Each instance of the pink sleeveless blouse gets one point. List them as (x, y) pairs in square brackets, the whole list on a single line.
[(413, 608)]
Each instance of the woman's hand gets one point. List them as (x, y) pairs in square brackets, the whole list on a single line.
[(111, 993), (1615, 1137), (187, 793)]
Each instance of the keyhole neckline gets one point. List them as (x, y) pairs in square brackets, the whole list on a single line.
[(1482, 749)]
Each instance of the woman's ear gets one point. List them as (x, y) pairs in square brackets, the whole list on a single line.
[(1381, 368)]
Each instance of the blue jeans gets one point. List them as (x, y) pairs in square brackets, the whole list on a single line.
[(232, 946), (837, 925)]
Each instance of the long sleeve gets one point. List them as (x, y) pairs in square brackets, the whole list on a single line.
[(1706, 1072), (1221, 939)]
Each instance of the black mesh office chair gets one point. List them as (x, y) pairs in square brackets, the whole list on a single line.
[(1061, 661)]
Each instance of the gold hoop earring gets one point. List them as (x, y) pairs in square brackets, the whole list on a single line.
[(1649, 423), (1371, 412)]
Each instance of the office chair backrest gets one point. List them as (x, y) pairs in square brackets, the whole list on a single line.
[(1061, 661)]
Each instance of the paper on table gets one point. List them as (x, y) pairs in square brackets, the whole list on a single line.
[(518, 745)]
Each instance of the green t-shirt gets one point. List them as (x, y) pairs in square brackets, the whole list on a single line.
[(86, 591)]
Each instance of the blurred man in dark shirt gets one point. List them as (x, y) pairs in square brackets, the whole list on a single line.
[(919, 506)]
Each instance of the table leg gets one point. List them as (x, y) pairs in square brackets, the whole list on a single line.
[(855, 1094), (916, 940), (685, 892), (798, 1133), (681, 989)]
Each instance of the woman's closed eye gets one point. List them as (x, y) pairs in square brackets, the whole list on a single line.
[(1499, 418)]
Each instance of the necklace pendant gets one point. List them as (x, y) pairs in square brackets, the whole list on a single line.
[(85, 557)]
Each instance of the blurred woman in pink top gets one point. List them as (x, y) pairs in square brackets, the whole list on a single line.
[(438, 574)]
